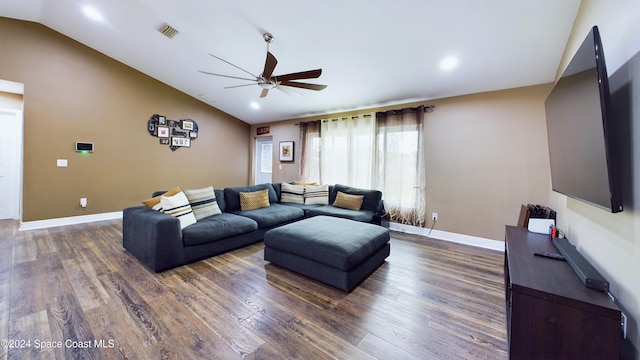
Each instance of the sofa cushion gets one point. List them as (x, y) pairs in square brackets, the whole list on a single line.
[(276, 214), (254, 200), (154, 202), (316, 195), (222, 204), (232, 195), (348, 201), (178, 206), (203, 202), (371, 201), (303, 206), (292, 194), (219, 227), (361, 215)]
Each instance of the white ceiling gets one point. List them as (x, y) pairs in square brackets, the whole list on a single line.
[(371, 52)]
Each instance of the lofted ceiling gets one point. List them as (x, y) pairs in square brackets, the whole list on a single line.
[(372, 53)]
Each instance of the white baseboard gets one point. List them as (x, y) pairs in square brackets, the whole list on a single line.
[(448, 236), (41, 224), (435, 234)]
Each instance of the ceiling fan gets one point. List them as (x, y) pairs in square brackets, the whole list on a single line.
[(267, 81)]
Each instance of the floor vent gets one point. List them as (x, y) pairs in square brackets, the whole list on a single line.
[(168, 31)]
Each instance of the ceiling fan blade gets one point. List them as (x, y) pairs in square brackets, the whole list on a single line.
[(287, 90), (264, 93), (269, 65), (227, 76), (303, 85), (235, 66), (310, 74), (237, 86)]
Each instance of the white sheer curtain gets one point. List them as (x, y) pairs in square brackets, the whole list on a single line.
[(382, 151), (347, 150), (400, 171)]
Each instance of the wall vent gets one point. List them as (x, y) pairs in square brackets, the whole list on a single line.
[(168, 31)]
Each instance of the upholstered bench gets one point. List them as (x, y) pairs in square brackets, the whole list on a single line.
[(338, 252)]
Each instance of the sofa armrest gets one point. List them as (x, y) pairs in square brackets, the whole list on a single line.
[(382, 216), (152, 237)]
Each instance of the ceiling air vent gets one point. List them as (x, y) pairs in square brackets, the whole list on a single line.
[(168, 31)]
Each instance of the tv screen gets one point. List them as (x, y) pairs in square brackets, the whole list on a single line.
[(583, 165)]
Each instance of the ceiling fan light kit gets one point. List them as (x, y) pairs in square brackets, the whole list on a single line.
[(266, 81)]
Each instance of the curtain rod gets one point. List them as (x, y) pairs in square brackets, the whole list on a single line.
[(427, 108)]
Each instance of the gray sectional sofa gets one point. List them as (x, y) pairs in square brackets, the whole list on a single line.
[(157, 240)]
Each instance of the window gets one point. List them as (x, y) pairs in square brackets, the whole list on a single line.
[(382, 151)]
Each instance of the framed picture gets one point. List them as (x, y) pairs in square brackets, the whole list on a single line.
[(187, 125), (180, 141), (163, 132), (193, 134), (286, 151), (162, 120), (164, 141), (262, 130)]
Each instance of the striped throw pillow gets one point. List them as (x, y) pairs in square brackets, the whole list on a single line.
[(293, 194), (316, 195), (154, 202), (178, 206), (347, 201), (203, 202), (254, 200)]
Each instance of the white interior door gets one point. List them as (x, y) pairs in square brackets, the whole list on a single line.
[(264, 160), (10, 155)]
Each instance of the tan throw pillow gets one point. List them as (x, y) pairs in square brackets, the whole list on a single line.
[(254, 200), (316, 195), (304, 183), (347, 201), (178, 206), (154, 202)]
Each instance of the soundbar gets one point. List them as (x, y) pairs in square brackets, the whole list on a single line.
[(589, 276)]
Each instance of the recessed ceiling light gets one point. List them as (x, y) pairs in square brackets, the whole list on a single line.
[(449, 63), (92, 13), (255, 105)]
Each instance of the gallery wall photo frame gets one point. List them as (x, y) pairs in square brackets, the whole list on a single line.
[(286, 150), (174, 133), (180, 142), (186, 125), (163, 131)]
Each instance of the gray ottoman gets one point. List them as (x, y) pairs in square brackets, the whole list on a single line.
[(335, 251)]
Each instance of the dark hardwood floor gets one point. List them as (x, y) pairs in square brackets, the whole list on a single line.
[(75, 286)]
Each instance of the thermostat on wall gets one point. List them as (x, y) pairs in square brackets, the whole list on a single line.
[(84, 146)]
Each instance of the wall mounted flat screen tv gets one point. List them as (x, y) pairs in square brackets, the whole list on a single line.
[(579, 130)]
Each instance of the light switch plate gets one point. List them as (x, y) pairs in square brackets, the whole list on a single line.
[(62, 163)]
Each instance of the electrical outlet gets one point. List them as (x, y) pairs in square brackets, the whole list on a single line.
[(83, 202), (623, 320), (434, 216)]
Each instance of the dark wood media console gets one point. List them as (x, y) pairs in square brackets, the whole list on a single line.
[(550, 313)]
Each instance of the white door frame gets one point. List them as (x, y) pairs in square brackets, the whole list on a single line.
[(17, 88), (259, 176), (15, 147)]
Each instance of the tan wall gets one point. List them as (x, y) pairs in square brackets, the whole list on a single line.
[(486, 154), (73, 93)]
